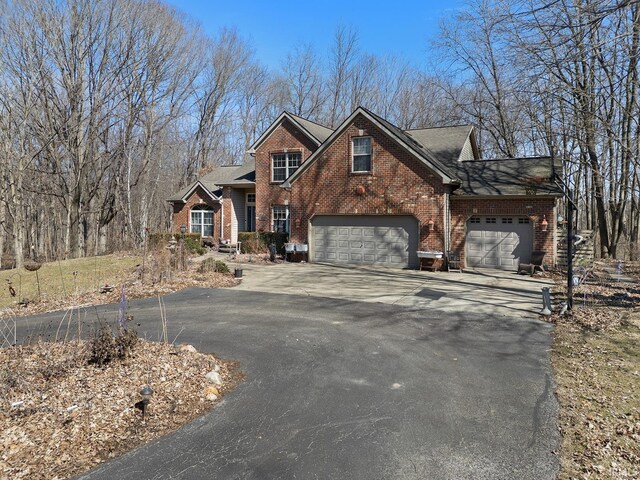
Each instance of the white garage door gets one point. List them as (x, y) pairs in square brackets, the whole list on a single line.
[(383, 240), (498, 242)]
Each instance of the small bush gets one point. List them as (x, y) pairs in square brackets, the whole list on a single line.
[(251, 243), (211, 265), (258, 242), (125, 342), (192, 241), (159, 240), (192, 244), (104, 347)]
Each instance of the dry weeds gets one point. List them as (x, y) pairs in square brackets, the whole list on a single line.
[(160, 276), (596, 361)]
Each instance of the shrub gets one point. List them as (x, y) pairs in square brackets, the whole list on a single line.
[(258, 242), (251, 243), (192, 244), (211, 265), (192, 241), (157, 240), (125, 342), (104, 347), (275, 237)]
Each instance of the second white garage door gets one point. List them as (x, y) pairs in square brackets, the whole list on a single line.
[(499, 242), (383, 240)]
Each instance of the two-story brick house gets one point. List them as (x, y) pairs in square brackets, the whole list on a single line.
[(371, 193)]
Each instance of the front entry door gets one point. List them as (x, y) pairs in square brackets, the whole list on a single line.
[(251, 218)]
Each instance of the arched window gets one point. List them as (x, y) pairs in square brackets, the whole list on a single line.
[(202, 220)]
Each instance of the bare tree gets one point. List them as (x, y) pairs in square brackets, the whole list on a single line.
[(344, 54), (302, 74)]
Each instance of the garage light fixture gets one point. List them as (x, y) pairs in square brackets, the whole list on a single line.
[(431, 224), (544, 224)]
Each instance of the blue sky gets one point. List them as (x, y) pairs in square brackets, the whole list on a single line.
[(274, 28)]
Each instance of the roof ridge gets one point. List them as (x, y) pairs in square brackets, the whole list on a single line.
[(441, 126), (430, 155), (539, 157), (310, 121)]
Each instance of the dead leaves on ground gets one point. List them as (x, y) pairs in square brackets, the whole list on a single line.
[(74, 416), (596, 359)]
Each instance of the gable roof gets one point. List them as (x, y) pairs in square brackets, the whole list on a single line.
[(446, 142), (511, 176), (212, 182), (185, 193), (320, 132), (317, 133), (423, 154)]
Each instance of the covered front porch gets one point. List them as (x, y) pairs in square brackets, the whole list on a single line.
[(238, 211)]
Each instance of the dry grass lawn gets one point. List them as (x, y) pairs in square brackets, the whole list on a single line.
[(598, 377), (596, 361), (64, 278)]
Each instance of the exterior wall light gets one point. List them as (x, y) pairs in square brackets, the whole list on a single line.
[(544, 225), (431, 224)]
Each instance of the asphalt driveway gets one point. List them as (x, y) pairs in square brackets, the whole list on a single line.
[(338, 389)]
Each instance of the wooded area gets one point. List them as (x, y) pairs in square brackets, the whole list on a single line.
[(109, 106)]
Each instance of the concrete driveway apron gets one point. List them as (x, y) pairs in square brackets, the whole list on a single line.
[(483, 290)]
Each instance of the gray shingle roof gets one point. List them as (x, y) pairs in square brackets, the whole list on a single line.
[(244, 174), (513, 176), (440, 147), (403, 136), (320, 132), (446, 142)]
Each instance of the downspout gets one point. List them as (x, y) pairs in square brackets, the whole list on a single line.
[(221, 218), (447, 223)]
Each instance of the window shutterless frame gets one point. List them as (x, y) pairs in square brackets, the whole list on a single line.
[(201, 220), (280, 218), (361, 153), (283, 165)]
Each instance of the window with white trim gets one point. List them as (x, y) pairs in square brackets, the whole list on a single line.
[(202, 220), (283, 165), (280, 218), (361, 154)]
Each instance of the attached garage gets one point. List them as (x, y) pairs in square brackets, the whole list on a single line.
[(498, 242), (383, 240)]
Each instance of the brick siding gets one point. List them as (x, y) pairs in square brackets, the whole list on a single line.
[(398, 185), (285, 137), (182, 216), (532, 207)]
